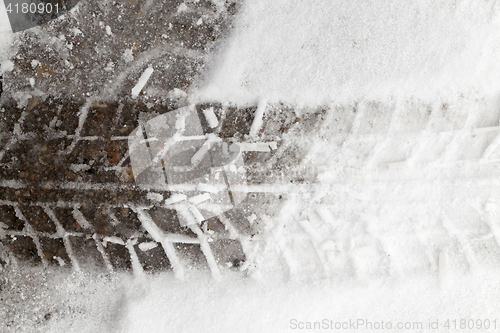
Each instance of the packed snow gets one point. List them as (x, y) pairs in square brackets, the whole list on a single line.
[(142, 82), (311, 275)]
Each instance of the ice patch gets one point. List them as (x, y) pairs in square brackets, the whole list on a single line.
[(142, 81), (127, 55), (79, 167), (175, 198), (177, 94), (155, 196), (146, 246), (211, 117), (182, 8), (112, 239), (77, 31), (6, 66)]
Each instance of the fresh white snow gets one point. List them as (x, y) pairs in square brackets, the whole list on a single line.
[(153, 304), (315, 52)]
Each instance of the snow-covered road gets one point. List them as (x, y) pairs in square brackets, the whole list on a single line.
[(377, 199)]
